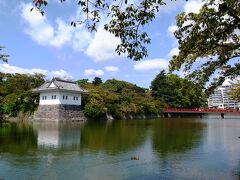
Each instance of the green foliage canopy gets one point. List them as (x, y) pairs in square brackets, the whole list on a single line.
[(120, 99), (235, 93), (177, 92), (213, 34), (16, 95), (97, 81), (82, 81), (3, 57)]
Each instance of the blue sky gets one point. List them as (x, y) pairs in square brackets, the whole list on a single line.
[(49, 45)]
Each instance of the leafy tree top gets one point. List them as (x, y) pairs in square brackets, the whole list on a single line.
[(126, 20), (3, 57), (122, 86), (213, 34), (97, 81), (177, 92)]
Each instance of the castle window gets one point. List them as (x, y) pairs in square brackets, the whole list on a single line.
[(77, 98), (73, 97), (63, 97), (66, 97)]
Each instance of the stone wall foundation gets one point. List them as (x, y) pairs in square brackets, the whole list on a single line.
[(59, 113)]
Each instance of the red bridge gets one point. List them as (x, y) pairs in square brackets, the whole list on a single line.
[(200, 111)]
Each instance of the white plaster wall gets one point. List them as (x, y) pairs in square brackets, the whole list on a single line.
[(52, 85), (59, 98), (70, 100), (49, 100)]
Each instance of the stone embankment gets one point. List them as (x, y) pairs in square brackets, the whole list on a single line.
[(59, 113)]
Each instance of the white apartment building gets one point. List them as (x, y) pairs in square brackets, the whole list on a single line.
[(221, 98)]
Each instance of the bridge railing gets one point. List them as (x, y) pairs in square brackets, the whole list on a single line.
[(203, 110)]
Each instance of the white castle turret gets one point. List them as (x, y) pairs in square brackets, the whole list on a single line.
[(60, 100)]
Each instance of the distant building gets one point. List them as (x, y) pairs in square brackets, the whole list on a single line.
[(60, 100), (221, 98)]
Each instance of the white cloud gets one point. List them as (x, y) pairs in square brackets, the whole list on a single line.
[(103, 45), (172, 29), (6, 68), (93, 72), (89, 72), (81, 39), (170, 6), (173, 51), (41, 31), (99, 73), (44, 33), (62, 35), (193, 6), (151, 64), (34, 18), (61, 74), (111, 68)]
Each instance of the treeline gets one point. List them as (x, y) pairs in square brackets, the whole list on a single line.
[(16, 95), (120, 99)]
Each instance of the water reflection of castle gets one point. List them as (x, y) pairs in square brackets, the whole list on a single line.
[(58, 136)]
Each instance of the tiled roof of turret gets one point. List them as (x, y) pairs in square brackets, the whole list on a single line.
[(59, 84)]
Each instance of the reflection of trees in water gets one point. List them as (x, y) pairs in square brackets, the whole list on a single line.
[(17, 138), (113, 138), (168, 136), (176, 136)]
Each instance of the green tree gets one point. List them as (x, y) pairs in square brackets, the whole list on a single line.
[(82, 81), (120, 99), (16, 95), (97, 81), (160, 87), (235, 93), (3, 57), (177, 92), (213, 34)]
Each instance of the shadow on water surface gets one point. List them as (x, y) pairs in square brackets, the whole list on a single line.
[(17, 138), (171, 136), (113, 138)]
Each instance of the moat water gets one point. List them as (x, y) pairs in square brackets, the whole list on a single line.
[(172, 148)]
